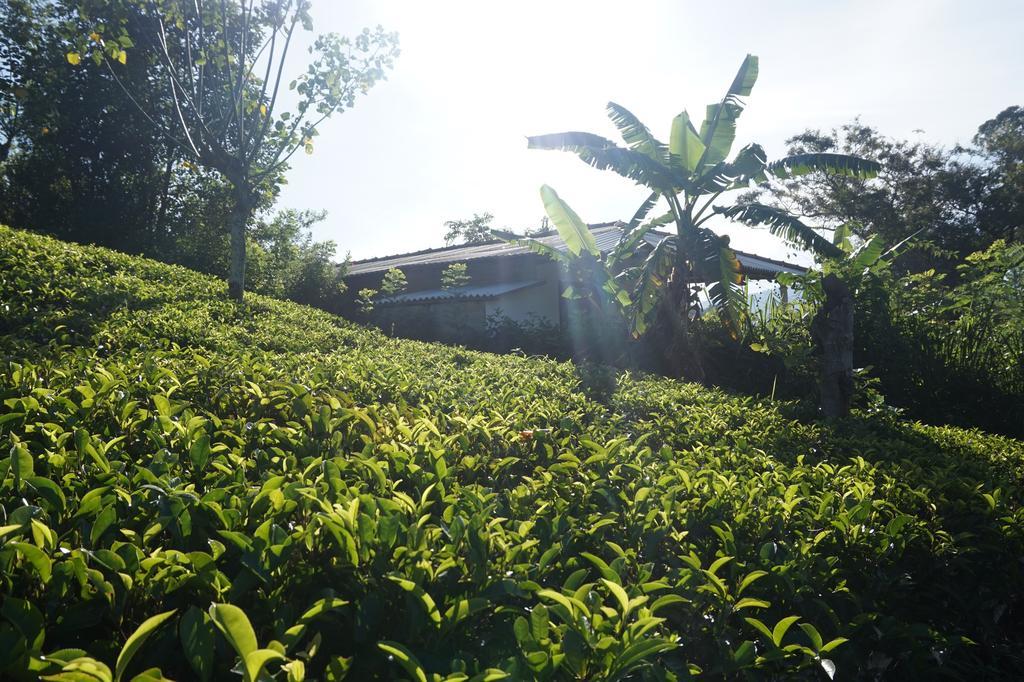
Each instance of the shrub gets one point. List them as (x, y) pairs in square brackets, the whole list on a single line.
[(354, 504)]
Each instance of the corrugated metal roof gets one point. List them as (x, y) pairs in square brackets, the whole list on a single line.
[(467, 293), (606, 235)]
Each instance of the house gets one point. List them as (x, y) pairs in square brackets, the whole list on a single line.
[(504, 280)]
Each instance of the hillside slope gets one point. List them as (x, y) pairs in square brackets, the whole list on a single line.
[(387, 508)]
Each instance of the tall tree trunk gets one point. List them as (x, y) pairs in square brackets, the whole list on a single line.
[(240, 214), (832, 329), (161, 214), (681, 354)]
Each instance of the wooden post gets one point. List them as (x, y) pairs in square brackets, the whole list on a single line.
[(832, 330)]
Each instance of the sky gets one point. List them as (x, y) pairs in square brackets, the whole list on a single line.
[(444, 136)]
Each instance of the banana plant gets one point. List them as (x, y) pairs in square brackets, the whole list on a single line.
[(687, 175)]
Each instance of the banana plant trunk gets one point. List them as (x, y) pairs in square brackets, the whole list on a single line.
[(832, 329), (239, 219), (681, 354)]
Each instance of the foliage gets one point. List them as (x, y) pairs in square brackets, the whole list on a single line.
[(79, 162), (393, 282), (455, 276), (223, 66), (944, 349), (83, 163), (534, 335), (469, 231), (287, 263), (354, 504), (365, 300), (950, 349), (598, 382), (688, 174), (960, 199)]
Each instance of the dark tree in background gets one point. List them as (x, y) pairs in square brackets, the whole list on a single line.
[(470, 231), (76, 162), (221, 68), (956, 200), (83, 161)]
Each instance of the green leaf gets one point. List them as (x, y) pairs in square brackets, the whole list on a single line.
[(836, 164), (293, 634), (10, 529), (750, 578), (812, 634), (684, 143), (743, 83), (782, 224), (235, 626), (641, 213), (725, 272), (782, 627), (137, 639), (21, 464), (620, 595), (868, 253), (841, 237), (833, 644), (603, 568), (604, 154), (296, 671), (255, 661), (650, 280), (82, 669), (425, 599), (667, 600), (760, 627), (573, 231), (627, 246), (197, 641), (35, 556), (634, 133), (637, 653), (745, 654), (570, 605), (199, 452), (539, 621), (405, 658), (718, 563), (718, 131), (26, 619)]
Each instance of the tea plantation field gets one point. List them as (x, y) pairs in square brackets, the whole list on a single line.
[(195, 490)]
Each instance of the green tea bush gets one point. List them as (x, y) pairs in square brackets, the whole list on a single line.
[(194, 489)]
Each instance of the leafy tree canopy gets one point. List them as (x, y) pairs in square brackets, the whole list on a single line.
[(469, 231), (959, 199)]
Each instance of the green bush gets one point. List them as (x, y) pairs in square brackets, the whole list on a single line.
[(192, 485), (943, 350)]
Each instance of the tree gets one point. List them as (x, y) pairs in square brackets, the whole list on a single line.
[(393, 283), (77, 162), (222, 66), (958, 200), (688, 174), (288, 263), (472, 231), (455, 276), (1000, 144)]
